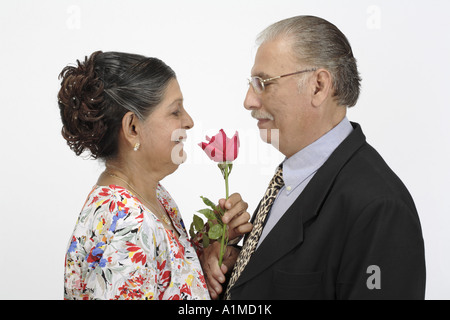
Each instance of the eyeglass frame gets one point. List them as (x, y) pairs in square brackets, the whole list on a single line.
[(263, 81)]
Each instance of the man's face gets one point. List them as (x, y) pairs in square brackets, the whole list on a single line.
[(282, 105)]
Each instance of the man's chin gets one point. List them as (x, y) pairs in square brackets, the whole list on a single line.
[(271, 136)]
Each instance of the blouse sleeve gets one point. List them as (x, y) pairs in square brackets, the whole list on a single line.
[(119, 255)]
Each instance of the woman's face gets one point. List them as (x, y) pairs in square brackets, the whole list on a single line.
[(162, 131)]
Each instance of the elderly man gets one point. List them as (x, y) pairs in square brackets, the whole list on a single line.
[(335, 222)]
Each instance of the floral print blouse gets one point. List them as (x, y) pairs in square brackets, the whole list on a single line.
[(120, 250)]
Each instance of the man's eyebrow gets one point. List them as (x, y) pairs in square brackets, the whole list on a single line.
[(262, 75)]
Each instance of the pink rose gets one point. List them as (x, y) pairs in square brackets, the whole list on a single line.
[(223, 150), (220, 148)]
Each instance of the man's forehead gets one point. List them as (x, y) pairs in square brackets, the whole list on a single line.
[(272, 57)]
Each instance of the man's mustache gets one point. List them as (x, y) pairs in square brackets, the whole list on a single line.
[(259, 115)]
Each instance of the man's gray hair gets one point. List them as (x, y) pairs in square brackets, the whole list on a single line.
[(320, 44)]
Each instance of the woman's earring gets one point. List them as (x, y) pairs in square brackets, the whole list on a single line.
[(136, 146)]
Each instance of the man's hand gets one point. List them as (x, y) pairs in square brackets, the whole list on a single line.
[(237, 219), (236, 216), (214, 274)]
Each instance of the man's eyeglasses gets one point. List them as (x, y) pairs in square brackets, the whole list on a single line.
[(258, 83)]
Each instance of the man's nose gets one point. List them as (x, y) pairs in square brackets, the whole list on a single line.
[(252, 100)]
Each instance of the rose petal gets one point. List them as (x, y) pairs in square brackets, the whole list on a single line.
[(220, 148)]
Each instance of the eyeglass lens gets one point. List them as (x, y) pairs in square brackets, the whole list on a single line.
[(257, 84)]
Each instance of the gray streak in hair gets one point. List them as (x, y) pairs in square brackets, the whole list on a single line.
[(318, 43)]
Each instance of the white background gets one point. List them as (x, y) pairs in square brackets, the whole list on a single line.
[(403, 54)]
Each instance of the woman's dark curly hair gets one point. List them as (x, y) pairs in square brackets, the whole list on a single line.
[(97, 93)]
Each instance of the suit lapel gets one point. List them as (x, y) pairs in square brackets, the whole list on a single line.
[(288, 232)]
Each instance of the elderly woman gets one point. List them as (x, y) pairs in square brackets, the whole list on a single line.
[(130, 241)]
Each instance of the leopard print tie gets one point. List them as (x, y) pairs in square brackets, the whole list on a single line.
[(250, 244)]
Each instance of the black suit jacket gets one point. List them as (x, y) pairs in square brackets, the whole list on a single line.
[(353, 233)]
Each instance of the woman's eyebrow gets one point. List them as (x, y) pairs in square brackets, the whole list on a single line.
[(175, 101)]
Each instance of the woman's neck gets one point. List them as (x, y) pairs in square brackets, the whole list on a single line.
[(141, 181)]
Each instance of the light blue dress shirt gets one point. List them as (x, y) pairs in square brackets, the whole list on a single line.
[(299, 169)]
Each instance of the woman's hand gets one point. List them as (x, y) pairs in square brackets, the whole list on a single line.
[(236, 216)]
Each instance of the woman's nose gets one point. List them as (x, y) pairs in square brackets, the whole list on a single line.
[(188, 122)]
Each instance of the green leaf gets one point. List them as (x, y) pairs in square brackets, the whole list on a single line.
[(192, 231), (208, 213), (209, 203), (205, 241), (219, 218), (215, 232), (198, 223)]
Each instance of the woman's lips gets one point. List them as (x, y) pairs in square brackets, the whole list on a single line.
[(181, 140)]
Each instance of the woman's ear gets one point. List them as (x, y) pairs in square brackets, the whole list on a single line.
[(322, 86), (131, 128)]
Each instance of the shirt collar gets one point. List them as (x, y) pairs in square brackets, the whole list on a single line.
[(307, 161)]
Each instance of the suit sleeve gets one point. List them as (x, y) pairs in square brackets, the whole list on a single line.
[(384, 254)]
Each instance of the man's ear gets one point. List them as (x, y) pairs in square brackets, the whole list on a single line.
[(322, 87), (131, 128)]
